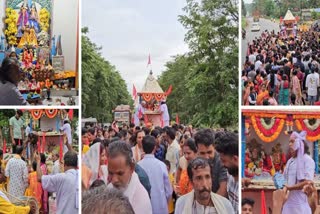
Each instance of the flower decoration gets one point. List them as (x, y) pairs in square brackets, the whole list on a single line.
[(11, 26), (44, 19), (313, 131), (267, 134)]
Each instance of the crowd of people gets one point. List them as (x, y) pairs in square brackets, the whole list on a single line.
[(282, 70), (174, 169), (37, 180)]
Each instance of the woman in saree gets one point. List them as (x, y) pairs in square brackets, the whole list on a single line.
[(296, 88), (190, 153), (94, 165)]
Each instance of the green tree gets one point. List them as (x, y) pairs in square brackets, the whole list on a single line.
[(206, 78), (243, 9), (102, 86)]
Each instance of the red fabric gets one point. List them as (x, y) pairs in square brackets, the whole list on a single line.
[(177, 119), (169, 90), (61, 149), (263, 203), (70, 114), (19, 143), (4, 146)]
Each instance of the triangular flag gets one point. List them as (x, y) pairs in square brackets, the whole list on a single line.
[(177, 119), (4, 146), (70, 114), (134, 92), (168, 92), (263, 203)]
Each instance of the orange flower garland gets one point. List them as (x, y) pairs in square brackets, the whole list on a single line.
[(312, 135), (51, 113), (36, 114), (267, 135)]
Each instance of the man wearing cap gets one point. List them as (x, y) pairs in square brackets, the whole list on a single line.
[(164, 113), (299, 171), (16, 130), (66, 128)]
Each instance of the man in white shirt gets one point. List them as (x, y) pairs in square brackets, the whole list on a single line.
[(122, 177), (312, 84), (66, 128), (164, 113), (172, 154), (201, 199)]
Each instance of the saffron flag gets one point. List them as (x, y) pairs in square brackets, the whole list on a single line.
[(134, 92), (169, 90), (177, 119), (70, 114)]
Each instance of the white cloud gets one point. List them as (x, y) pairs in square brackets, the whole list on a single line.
[(129, 30)]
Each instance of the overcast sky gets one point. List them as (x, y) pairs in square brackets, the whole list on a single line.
[(129, 30)]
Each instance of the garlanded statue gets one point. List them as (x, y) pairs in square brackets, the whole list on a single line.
[(22, 20), (27, 57), (278, 159), (33, 38), (34, 19), (254, 159), (25, 39)]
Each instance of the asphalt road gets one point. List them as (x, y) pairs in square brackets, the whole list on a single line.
[(265, 24)]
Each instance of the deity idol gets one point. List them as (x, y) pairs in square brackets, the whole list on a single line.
[(33, 38), (254, 159), (25, 39), (27, 57), (34, 19), (22, 20)]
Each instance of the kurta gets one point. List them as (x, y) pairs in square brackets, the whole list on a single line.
[(137, 195), (297, 202), (161, 189)]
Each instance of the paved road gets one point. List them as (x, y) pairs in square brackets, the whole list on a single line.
[(265, 24)]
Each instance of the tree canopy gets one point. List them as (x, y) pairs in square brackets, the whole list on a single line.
[(102, 86), (205, 80)]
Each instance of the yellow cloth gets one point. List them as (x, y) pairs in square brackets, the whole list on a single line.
[(8, 208), (170, 202), (85, 148)]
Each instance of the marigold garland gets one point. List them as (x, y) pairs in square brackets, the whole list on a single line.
[(267, 135), (51, 113), (312, 135), (11, 26), (44, 19), (36, 114)]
